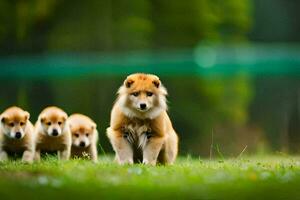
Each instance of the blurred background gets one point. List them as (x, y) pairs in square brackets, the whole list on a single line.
[(232, 68)]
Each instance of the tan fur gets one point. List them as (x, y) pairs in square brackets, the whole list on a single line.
[(44, 141), (19, 120), (83, 129), (142, 135)]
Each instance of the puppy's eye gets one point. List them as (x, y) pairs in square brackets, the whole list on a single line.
[(22, 123), (149, 94), (48, 123), (87, 135), (59, 123), (76, 135), (135, 94), (11, 124)]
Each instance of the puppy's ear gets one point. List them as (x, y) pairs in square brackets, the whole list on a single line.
[(65, 118), (3, 119), (42, 119), (27, 115), (94, 126), (128, 82), (156, 83)]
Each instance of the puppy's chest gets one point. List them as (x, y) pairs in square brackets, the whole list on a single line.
[(48, 143), (137, 133), (15, 145)]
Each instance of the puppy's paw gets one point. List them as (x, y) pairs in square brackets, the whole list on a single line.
[(126, 162), (3, 156), (147, 162), (27, 160), (27, 157)]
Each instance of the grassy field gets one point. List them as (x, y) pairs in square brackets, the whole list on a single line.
[(267, 177)]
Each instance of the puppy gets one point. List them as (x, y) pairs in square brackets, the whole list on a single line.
[(84, 137), (53, 133), (16, 134), (140, 128)]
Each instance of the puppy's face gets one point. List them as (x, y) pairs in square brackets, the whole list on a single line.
[(143, 92), (142, 100), (13, 123), (53, 123), (82, 135)]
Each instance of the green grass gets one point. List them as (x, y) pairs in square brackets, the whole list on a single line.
[(272, 177)]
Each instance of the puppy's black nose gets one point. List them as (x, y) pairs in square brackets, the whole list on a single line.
[(82, 144), (143, 106), (18, 135), (55, 132)]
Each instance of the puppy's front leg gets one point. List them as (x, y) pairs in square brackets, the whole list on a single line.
[(28, 156), (152, 149), (64, 154), (123, 149), (37, 155), (94, 154), (124, 153), (3, 156)]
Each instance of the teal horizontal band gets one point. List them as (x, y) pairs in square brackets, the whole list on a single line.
[(203, 60)]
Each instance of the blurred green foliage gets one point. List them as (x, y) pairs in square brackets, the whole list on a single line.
[(113, 25)]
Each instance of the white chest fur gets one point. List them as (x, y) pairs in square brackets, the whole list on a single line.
[(137, 134)]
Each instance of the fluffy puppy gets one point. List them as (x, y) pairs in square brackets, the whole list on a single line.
[(140, 128), (16, 134), (53, 133), (84, 137)]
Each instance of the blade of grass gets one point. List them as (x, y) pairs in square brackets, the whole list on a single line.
[(240, 155), (211, 145), (219, 152), (102, 150)]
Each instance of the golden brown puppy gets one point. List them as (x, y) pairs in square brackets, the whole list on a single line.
[(53, 133), (84, 137), (16, 134), (140, 128)]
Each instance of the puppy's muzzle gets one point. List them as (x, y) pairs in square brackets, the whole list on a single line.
[(143, 106), (18, 135), (82, 144), (54, 132)]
